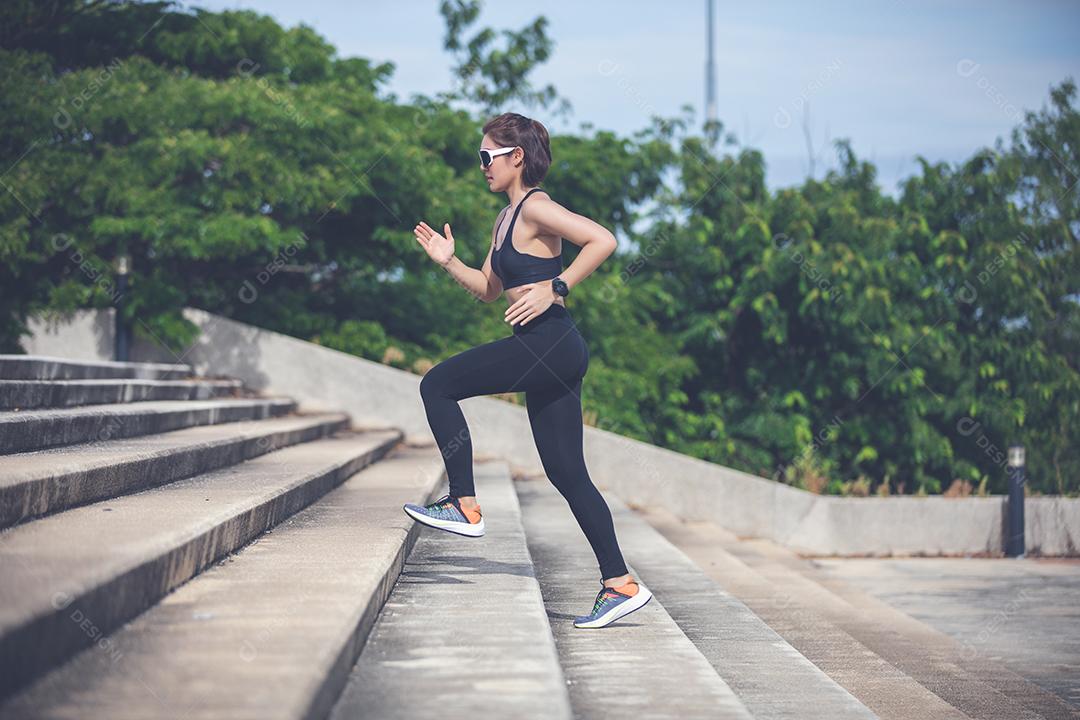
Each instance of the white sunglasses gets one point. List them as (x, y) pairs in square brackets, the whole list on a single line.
[(487, 156)]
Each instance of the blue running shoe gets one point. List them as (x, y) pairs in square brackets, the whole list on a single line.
[(446, 513), (610, 605)]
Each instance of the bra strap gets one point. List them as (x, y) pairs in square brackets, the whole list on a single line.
[(518, 208), (510, 229)]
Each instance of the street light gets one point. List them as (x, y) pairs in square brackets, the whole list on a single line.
[(1016, 455), (120, 329), (1014, 538)]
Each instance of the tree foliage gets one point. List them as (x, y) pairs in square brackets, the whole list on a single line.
[(826, 335)]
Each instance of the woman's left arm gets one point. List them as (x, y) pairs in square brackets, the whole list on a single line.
[(595, 240)]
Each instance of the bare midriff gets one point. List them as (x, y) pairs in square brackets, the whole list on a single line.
[(516, 293)]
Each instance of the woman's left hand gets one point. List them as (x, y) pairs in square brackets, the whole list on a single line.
[(538, 298)]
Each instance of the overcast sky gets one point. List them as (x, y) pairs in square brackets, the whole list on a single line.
[(897, 77)]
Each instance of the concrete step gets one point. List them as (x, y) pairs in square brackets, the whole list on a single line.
[(72, 577), (30, 394), (975, 685), (39, 429), (45, 367), (769, 676), (642, 665), (272, 631), (464, 633), (795, 611), (37, 483)]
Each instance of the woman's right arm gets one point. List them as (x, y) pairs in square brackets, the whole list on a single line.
[(482, 284)]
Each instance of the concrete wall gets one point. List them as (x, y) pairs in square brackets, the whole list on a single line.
[(377, 395)]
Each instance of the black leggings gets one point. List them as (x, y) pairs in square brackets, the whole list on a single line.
[(547, 359)]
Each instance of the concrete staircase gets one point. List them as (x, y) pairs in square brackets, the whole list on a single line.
[(175, 546)]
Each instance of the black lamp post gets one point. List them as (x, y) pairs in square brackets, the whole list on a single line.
[(1014, 539), (121, 334)]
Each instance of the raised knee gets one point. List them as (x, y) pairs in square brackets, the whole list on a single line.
[(430, 384)]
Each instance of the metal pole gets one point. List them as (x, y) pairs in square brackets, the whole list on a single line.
[(710, 65), (1014, 539)]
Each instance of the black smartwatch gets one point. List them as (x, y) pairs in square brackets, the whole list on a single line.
[(560, 287)]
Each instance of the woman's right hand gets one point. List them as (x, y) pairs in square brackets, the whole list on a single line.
[(439, 248)]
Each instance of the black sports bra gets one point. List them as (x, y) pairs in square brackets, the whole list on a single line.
[(517, 268)]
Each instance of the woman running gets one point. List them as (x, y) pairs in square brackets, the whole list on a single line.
[(545, 356)]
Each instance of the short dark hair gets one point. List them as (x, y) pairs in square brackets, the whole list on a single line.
[(511, 129)]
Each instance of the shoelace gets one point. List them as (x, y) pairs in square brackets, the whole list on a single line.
[(602, 597), (440, 503), (444, 502)]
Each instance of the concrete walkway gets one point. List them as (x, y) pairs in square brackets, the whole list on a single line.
[(1023, 613)]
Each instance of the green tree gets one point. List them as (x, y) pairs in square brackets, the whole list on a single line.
[(825, 335)]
